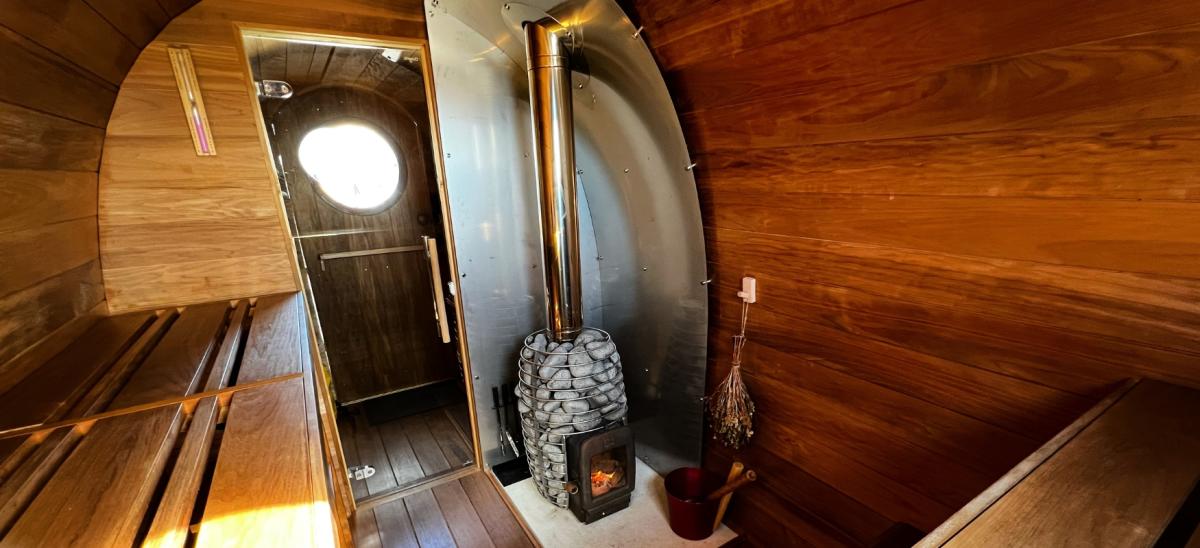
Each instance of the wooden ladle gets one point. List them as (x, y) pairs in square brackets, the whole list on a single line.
[(735, 480)]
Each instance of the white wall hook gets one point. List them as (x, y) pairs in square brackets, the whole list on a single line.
[(749, 292)]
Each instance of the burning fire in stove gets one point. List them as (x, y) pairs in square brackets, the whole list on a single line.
[(606, 475)]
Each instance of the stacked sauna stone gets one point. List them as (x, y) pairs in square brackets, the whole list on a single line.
[(566, 389)]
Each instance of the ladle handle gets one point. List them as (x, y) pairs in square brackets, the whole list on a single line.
[(735, 470), (732, 486)]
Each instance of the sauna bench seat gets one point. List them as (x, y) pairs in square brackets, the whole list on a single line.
[(187, 425), (1123, 474)]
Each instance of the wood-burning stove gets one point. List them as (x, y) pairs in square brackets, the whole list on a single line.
[(600, 472)]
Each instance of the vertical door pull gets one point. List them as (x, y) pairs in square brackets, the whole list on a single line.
[(435, 276)]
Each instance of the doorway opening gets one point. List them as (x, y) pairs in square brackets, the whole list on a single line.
[(349, 126)]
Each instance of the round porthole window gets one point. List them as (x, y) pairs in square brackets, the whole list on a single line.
[(353, 165)]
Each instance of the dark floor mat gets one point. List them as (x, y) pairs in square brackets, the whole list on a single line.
[(411, 402), (511, 471)]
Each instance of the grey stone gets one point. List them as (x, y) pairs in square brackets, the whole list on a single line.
[(553, 360), (616, 414), (579, 358), (600, 350), (587, 421), (615, 357), (559, 418), (576, 406), (561, 380), (541, 416), (558, 457), (583, 383), (614, 394), (609, 407), (523, 407), (555, 435), (551, 406), (586, 370), (566, 395), (596, 397)]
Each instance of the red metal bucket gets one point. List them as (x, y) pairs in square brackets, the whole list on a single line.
[(691, 516)]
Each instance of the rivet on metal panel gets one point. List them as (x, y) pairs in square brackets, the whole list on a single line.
[(638, 32)]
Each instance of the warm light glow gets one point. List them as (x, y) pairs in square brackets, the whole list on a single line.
[(603, 482), (301, 524), (353, 164)]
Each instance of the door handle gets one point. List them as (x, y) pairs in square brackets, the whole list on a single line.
[(435, 276)]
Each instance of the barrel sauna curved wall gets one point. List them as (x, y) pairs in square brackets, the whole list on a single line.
[(969, 222), (63, 61), (74, 229)]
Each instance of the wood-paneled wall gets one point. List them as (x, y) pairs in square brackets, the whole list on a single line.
[(62, 62), (176, 228), (969, 221)]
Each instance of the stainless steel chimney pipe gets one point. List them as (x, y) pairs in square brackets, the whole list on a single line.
[(547, 52)]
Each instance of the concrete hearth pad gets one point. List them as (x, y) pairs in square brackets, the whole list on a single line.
[(644, 523)]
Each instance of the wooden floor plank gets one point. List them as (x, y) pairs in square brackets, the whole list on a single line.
[(428, 520), (405, 466), (395, 526), (371, 452), (501, 524), (430, 455), (366, 530), (465, 525), (454, 447), (346, 430)]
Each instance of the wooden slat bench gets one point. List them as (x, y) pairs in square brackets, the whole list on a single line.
[(195, 425), (1117, 476)]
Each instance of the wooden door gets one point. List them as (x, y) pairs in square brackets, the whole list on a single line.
[(368, 270)]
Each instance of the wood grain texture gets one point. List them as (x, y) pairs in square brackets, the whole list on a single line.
[(74, 30), (63, 379), (462, 512), (38, 198), (985, 209), (52, 84), (41, 253), (63, 61), (149, 163), (1138, 461), (113, 473), (30, 314), (245, 506), (372, 350), (176, 365), (1018, 473), (250, 508), (173, 514), (33, 140)]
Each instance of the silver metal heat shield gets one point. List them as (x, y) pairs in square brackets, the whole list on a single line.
[(641, 241)]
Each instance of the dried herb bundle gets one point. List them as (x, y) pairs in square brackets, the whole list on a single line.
[(730, 406)]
